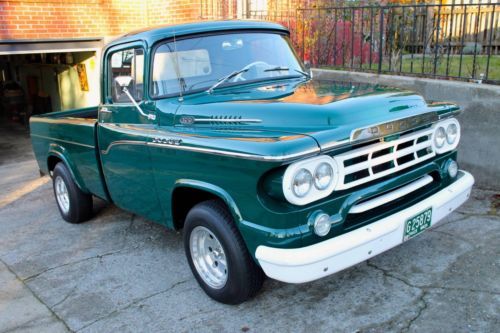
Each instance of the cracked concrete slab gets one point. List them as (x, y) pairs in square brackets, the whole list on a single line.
[(463, 255), (466, 311), (20, 310), (483, 202), (119, 272), (322, 306), (100, 285)]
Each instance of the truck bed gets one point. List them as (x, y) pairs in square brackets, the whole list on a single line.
[(69, 136)]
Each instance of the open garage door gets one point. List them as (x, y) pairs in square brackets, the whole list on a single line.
[(40, 76)]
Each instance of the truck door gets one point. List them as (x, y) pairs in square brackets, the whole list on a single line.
[(123, 130)]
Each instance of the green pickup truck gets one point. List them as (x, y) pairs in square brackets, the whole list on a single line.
[(218, 129)]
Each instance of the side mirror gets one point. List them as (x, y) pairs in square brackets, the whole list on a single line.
[(123, 81)]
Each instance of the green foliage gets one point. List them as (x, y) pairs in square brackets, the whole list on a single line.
[(426, 66)]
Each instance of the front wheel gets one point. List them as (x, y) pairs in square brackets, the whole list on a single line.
[(218, 256), (74, 205)]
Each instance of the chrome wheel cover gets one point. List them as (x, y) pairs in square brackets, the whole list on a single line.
[(62, 195), (208, 257)]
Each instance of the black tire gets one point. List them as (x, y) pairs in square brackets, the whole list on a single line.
[(244, 276), (80, 203)]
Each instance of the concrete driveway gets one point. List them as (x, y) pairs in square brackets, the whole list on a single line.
[(120, 273)]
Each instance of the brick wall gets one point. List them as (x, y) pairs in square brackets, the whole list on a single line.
[(171, 11), (40, 19)]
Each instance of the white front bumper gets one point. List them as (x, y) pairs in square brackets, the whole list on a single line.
[(316, 261)]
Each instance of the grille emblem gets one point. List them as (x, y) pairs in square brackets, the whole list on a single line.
[(392, 127), (186, 120)]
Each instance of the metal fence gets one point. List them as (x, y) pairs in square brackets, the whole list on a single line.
[(457, 40), (460, 41)]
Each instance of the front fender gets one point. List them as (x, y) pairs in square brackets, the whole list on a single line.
[(215, 190)]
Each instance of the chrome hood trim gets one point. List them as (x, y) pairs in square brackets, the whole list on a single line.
[(396, 126)]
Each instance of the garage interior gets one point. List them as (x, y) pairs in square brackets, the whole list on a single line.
[(41, 76)]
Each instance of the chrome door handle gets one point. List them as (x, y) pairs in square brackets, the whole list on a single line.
[(106, 110)]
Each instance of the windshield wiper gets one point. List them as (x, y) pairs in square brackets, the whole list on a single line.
[(225, 78), (307, 75), (277, 68), (280, 68), (245, 69)]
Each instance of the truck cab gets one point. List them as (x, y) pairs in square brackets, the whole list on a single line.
[(219, 130)]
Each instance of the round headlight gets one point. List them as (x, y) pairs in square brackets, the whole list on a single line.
[(322, 224), (302, 183), (439, 137), (323, 176), (310, 180), (451, 133)]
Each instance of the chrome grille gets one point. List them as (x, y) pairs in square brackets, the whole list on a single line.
[(380, 159)]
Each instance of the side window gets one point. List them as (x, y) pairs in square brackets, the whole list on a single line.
[(126, 66)]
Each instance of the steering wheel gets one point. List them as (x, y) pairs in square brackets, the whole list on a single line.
[(256, 64)]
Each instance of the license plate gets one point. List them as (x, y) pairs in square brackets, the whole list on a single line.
[(417, 224)]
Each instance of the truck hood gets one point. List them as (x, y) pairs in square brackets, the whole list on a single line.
[(327, 111)]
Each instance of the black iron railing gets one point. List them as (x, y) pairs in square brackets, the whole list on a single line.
[(455, 41), (459, 41)]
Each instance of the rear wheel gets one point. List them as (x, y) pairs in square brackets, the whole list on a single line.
[(218, 256), (74, 205)]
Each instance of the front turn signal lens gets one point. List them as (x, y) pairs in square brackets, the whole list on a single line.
[(322, 224)]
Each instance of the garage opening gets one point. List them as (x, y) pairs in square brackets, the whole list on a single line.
[(41, 76)]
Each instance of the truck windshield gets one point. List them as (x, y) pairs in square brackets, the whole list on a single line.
[(197, 64)]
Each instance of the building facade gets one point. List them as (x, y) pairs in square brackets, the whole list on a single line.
[(32, 19), (50, 50)]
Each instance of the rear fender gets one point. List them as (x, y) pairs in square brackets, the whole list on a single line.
[(61, 153)]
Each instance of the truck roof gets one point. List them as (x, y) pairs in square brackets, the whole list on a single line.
[(151, 35)]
